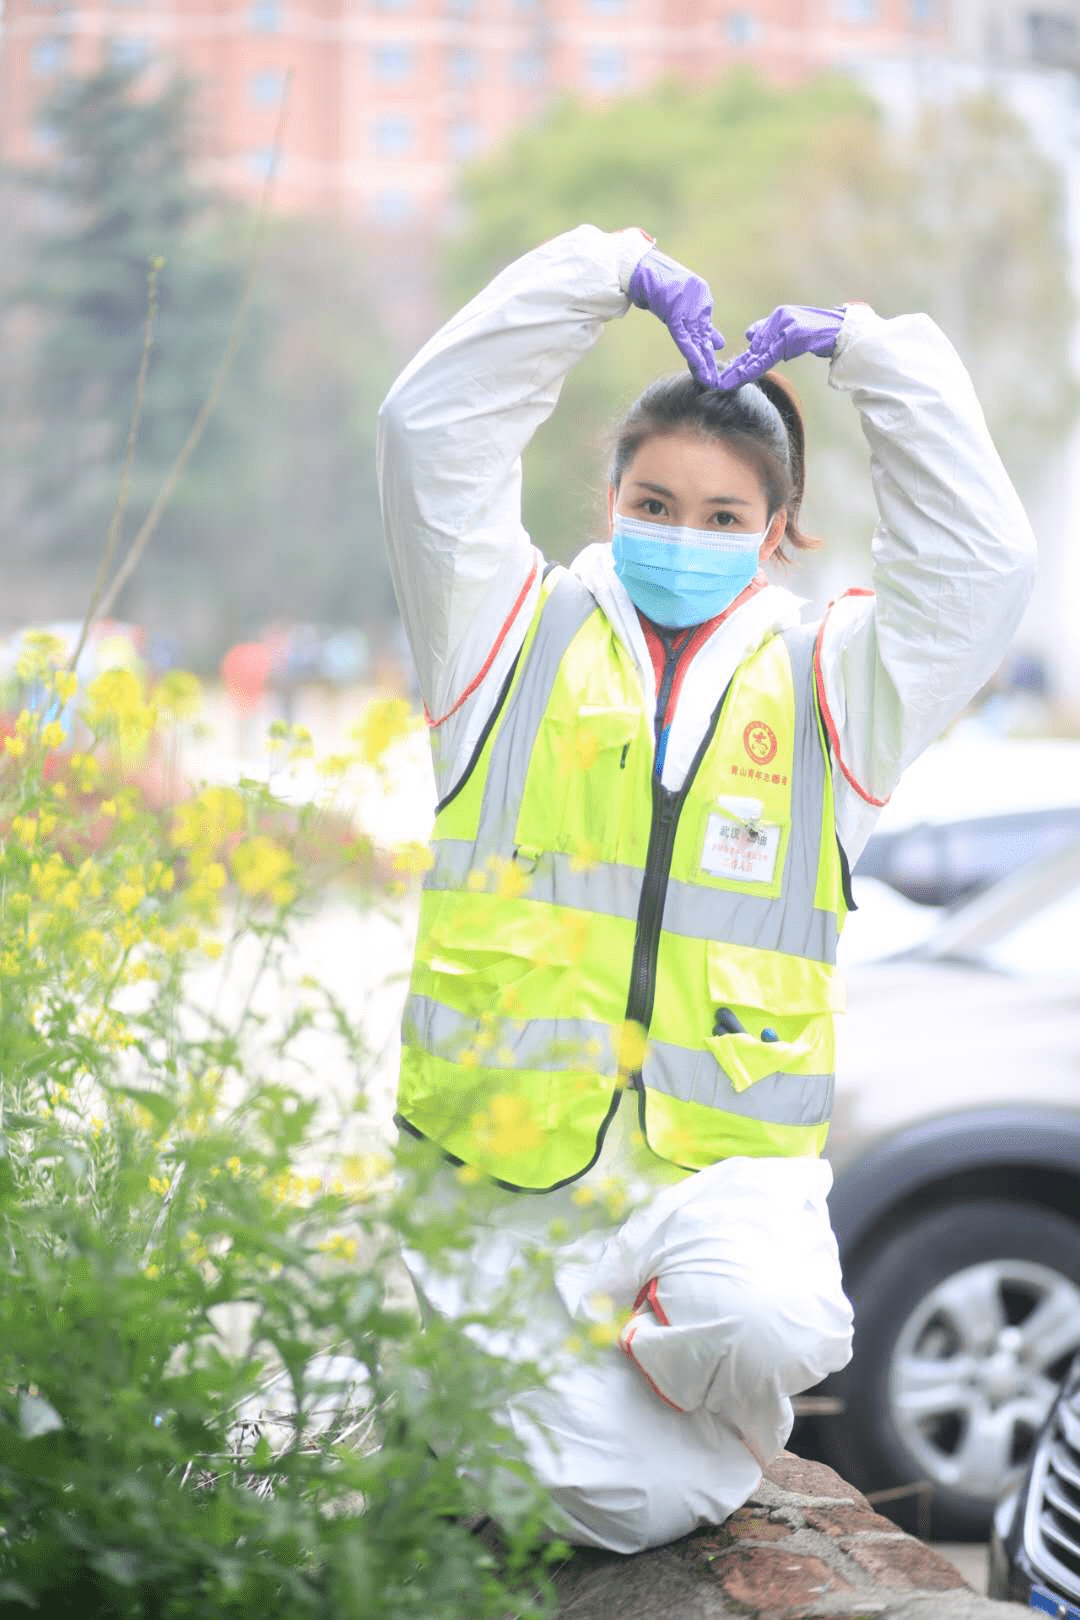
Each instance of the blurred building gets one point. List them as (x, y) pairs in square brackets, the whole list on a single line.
[(389, 97)]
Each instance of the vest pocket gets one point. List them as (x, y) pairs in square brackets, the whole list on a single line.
[(579, 791), (769, 1013)]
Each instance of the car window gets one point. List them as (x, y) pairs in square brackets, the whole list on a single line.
[(939, 864)]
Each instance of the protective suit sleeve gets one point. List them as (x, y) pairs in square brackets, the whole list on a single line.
[(451, 433), (953, 562)]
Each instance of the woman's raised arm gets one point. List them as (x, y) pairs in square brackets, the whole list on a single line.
[(451, 433), (953, 561)]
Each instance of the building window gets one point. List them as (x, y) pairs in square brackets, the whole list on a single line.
[(266, 88), (527, 67), (265, 17), (260, 162), (741, 27), (393, 207), (921, 13), (48, 56), (464, 66), (464, 139), (393, 136), (128, 51), (858, 11), (605, 69), (1052, 39), (392, 64), (46, 136)]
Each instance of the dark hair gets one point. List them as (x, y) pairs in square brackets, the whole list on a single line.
[(761, 421)]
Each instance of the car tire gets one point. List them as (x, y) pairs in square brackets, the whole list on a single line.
[(894, 1290)]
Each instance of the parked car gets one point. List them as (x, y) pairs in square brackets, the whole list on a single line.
[(969, 811), (956, 1147), (1035, 1550)]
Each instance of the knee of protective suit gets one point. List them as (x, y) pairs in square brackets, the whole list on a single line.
[(718, 1342)]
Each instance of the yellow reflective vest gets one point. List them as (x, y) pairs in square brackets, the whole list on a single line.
[(589, 938)]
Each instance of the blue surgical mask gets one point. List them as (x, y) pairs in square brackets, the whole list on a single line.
[(679, 577)]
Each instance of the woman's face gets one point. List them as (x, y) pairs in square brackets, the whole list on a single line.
[(692, 482)]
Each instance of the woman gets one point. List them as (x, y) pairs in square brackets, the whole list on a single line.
[(652, 782)]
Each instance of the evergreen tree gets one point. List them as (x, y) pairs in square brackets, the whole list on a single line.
[(117, 195)]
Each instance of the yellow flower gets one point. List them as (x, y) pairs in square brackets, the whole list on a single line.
[(602, 1334), (179, 694), (14, 746), (65, 683), (53, 735), (129, 895), (41, 652), (631, 1043), (59, 790), (87, 773), (468, 1175), (159, 1185), (115, 707), (151, 1270), (234, 1165), (25, 829), (510, 880), (583, 1197), (508, 1127), (382, 724), (212, 948), (262, 869), (341, 1247), (108, 807), (335, 765), (413, 859)]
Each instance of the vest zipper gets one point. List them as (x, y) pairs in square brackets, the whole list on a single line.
[(671, 664), (665, 821), (666, 810)]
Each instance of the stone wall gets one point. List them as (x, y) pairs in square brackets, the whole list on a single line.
[(806, 1546)]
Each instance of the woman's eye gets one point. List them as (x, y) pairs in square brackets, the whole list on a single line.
[(724, 520), (654, 507)]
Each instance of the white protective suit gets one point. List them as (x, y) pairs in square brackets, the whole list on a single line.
[(734, 1269)]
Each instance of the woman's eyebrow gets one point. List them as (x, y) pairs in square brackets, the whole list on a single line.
[(710, 500)]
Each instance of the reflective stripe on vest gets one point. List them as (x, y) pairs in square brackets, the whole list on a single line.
[(533, 921)]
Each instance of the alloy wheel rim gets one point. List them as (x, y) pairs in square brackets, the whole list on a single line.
[(975, 1370)]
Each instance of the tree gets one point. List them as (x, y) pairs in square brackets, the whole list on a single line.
[(781, 196), (276, 516), (119, 196)]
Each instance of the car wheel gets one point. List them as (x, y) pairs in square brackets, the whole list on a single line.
[(965, 1323)]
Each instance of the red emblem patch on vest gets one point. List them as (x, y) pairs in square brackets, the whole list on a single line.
[(759, 740)]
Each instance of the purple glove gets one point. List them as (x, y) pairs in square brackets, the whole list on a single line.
[(684, 303), (789, 331)]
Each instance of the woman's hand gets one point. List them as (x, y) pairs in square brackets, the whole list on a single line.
[(684, 303), (789, 331)]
